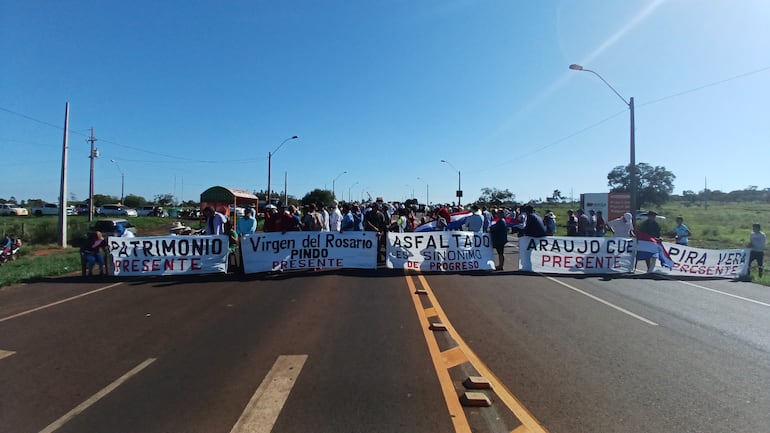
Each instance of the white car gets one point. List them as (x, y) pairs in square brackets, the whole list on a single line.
[(13, 209), (115, 210)]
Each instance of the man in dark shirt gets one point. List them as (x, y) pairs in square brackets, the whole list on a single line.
[(650, 226), (534, 225)]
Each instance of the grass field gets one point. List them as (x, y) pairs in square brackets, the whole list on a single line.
[(722, 225)]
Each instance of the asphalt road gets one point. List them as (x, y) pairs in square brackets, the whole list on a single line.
[(352, 352)]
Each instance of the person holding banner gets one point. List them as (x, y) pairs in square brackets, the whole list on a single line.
[(215, 221), (622, 227), (757, 243), (499, 232), (681, 232)]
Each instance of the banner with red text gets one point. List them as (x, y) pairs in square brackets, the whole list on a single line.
[(168, 255), (699, 262), (576, 255), (443, 251), (265, 252)]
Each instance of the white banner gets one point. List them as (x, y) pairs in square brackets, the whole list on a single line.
[(444, 251), (264, 252), (699, 262), (576, 255), (168, 255)]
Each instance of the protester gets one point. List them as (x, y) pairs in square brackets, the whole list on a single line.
[(177, 228), (584, 227), (346, 224), (475, 221), (601, 225), (681, 232), (335, 218), (323, 216), (92, 252), (290, 220), (499, 233), (215, 221), (652, 228), (572, 223), (121, 231), (533, 226), (757, 243), (375, 221), (550, 223), (487, 218), (247, 224), (272, 219), (622, 227)]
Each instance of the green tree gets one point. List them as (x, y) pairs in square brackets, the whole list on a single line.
[(100, 199), (323, 196), (495, 197), (654, 187), (134, 201), (164, 200)]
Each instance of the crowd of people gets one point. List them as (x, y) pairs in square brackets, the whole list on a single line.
[(382, 217)]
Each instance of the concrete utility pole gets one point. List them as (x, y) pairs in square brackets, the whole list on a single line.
[(63, 185), (94, 155)]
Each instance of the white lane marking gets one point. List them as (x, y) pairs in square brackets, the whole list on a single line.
[(724, 293), (609, 304), (6, 353), (43, 307), (96, 397), (265, 405)]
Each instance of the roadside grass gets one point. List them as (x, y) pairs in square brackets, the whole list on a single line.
[(720, 226), (29, 266)]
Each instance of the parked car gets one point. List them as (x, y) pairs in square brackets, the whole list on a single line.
[(643, 216), (13, 210), (108, 226), (51, 209), (115, 210), (81, 209), (151, 211)]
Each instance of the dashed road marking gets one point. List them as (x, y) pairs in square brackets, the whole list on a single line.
[(266, 404), (96, 397), (53, 304), (6, 353)]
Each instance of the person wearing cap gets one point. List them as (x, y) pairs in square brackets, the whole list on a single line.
[(550, 223), (247, 224), (622, 227), (122, 232), (177, 229)]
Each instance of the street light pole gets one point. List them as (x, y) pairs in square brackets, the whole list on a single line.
[(459, 187), (122, 180), (633, 182), (270, 164), (334, 194), (351, 187)]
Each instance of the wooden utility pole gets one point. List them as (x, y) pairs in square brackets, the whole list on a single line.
[(94, 154), (63, 184)]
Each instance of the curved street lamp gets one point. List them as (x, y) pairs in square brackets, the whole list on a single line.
[(122, 180), (459, 187), (349, 189), (334, 194), (632, 183), (270, 163)]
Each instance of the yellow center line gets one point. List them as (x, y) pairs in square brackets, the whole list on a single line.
[(503, 393), (459, 421)]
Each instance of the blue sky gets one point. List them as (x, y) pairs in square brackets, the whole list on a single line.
[(188, 95)]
